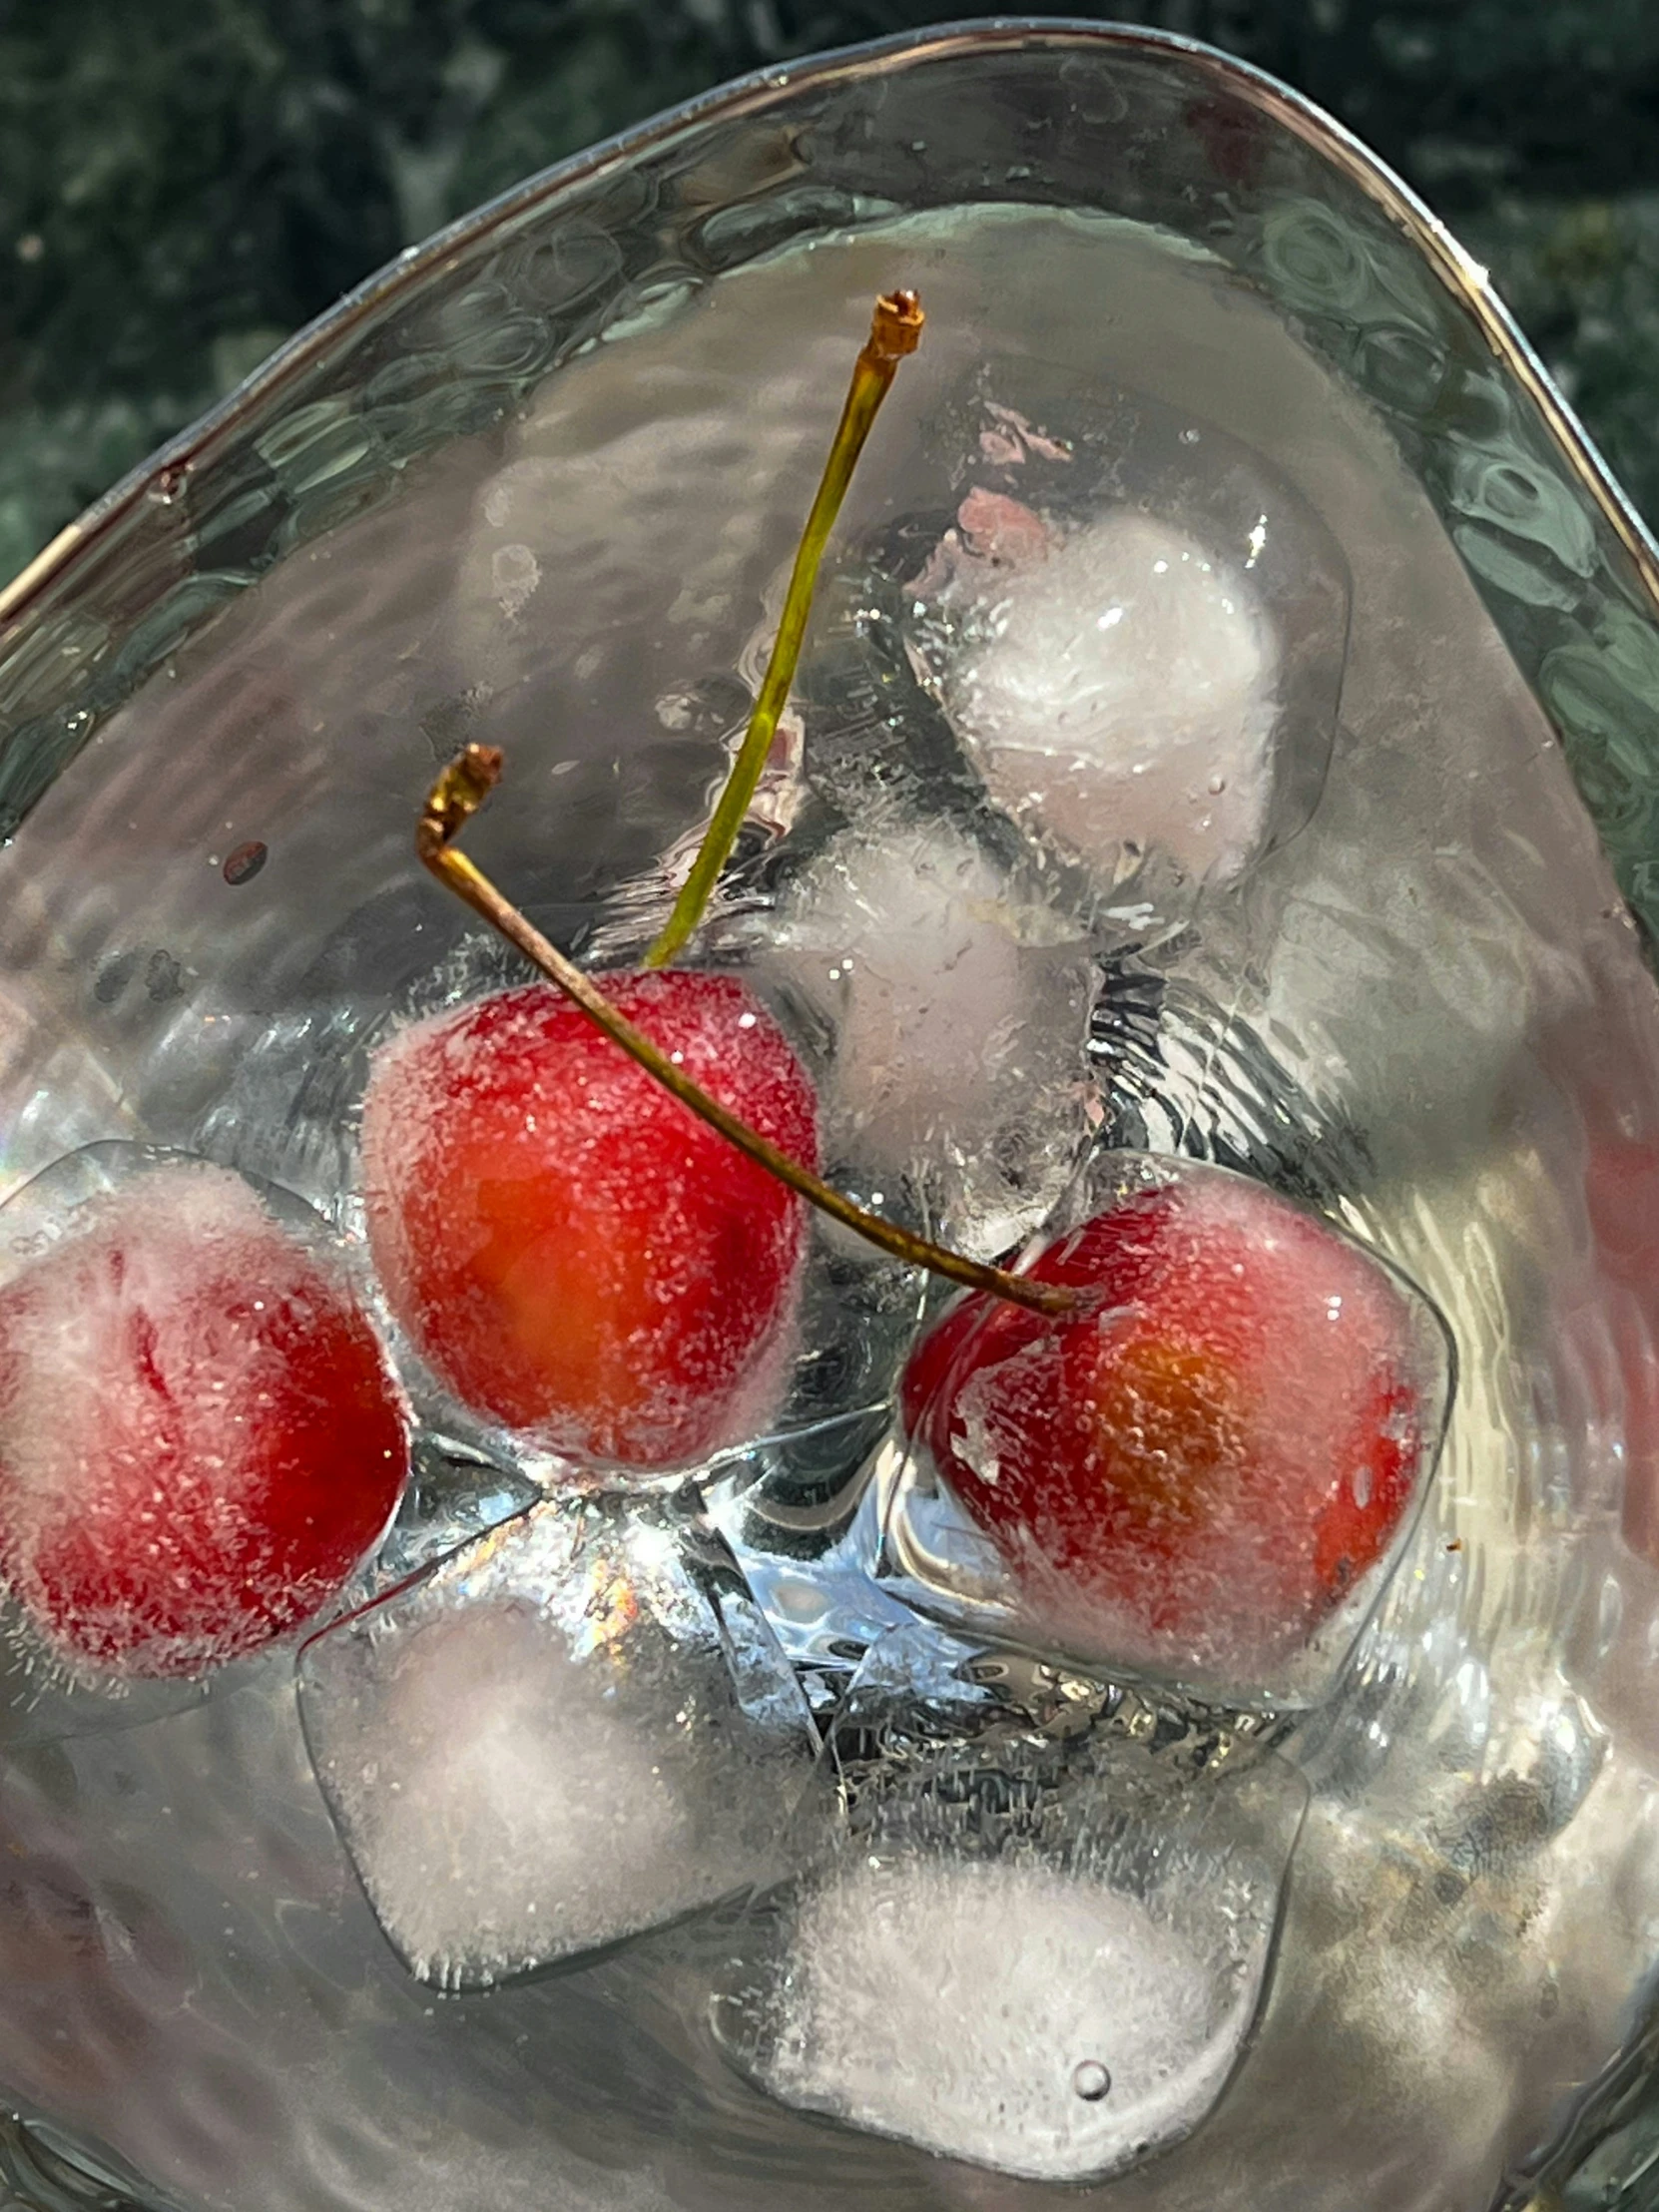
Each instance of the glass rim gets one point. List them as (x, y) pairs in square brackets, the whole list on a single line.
[(1458, 271)]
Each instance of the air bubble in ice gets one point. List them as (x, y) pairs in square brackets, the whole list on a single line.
[(1090, 2079)]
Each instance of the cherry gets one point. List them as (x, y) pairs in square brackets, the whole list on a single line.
[(569, 1247), (198, 1438), (1194, 1469)]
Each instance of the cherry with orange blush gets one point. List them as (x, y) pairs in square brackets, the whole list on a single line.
[(1204, 1463)]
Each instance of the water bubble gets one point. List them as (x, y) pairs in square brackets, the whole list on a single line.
[(1090, 2079)]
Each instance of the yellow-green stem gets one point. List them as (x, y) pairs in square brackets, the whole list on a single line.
[(454, 800), (894, 330)]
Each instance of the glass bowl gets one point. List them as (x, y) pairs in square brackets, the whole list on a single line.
[(535, 485)]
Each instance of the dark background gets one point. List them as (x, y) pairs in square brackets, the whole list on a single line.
[(183, 181)]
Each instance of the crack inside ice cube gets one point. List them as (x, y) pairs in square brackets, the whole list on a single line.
[(573, 1730)]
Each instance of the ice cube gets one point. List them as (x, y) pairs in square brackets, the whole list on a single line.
[(46, 1695), (1115, 684), (1201, 1478), (959, 1014), (199, 1439), (795, 1513), (571, 1252), (457, 1492), (574, 1729), (1015, 2016), (1042, 1942)]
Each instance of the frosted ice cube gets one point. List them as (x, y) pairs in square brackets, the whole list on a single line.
[(1007, 2013), (959, 1014), (1116, 684), (574, 1729), (1042, 1944)]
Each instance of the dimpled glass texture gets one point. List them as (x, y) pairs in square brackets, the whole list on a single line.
[(536, 484)]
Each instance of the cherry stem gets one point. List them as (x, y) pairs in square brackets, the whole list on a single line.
[(456, 796), (895, 331)]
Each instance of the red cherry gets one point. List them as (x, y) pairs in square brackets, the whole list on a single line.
[(569, 1247), (1192, 1470), (198, 1438)]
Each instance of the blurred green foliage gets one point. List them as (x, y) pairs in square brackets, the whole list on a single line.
[(182, 182)]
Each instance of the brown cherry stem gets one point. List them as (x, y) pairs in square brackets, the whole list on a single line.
[(456, 796), (895, 331)]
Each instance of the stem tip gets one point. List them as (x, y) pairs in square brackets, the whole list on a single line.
[(896, 326)]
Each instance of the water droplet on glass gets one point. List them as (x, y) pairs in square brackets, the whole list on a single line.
[(1090, 2080)]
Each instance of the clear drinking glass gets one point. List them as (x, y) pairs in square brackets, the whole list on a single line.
[(536, 484)]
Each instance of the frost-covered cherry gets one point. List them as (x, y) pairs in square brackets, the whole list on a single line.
[(1191, 1471), (569, 1247), (199, 1435)]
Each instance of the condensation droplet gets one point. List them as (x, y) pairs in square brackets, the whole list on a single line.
[(1090, 2079)]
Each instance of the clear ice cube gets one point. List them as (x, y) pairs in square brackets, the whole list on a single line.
[(574, 1729), (1044, 1933), (796, 1513), (457, 1492)]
